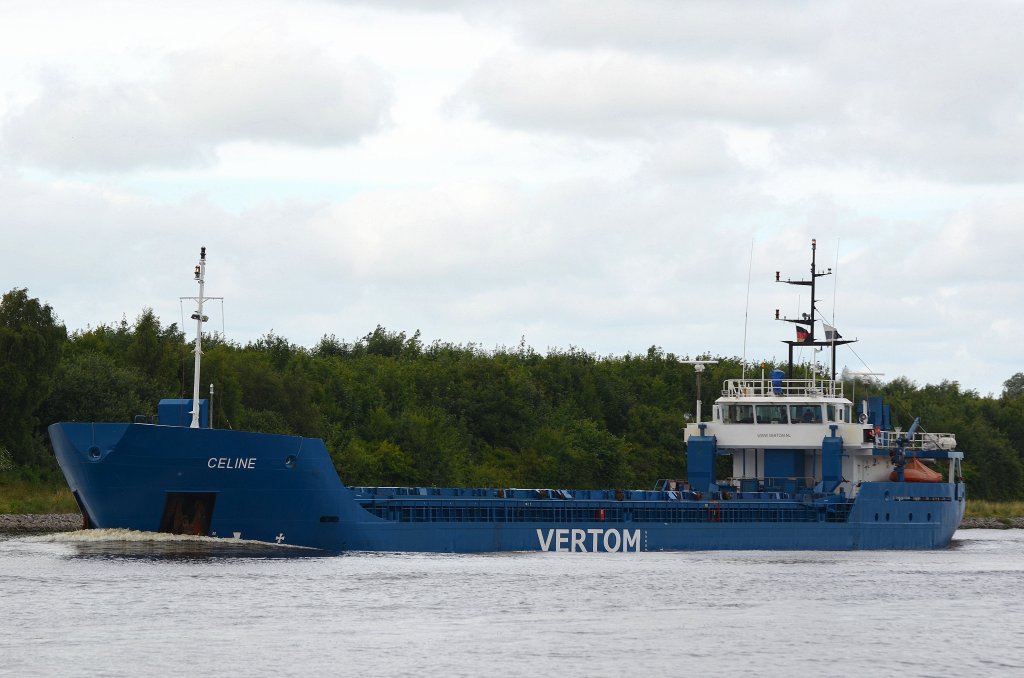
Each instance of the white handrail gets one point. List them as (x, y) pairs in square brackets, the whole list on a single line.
[(918, 441), (767, 388)]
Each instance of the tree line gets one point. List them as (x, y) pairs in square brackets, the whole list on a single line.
[(395, 411)]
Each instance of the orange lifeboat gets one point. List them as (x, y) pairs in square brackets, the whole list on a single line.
[(916, 472)]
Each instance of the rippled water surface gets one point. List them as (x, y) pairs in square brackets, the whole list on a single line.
[(104, 603)]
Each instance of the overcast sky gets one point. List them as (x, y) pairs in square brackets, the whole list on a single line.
[(579, 173)]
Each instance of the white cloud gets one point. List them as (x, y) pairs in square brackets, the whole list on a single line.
[(112, 127), (627, 94), (697, 151), (297, 96), (922, 90), (249, 92), (762, 30)]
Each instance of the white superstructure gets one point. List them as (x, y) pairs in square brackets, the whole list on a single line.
[(774, 429)]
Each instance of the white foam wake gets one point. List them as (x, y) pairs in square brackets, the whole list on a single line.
[(124, 536)]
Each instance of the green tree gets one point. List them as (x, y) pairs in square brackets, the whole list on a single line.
[(1014, 386), (31, 337), (155, 351), (374, 463), (992, 468), (91, 386)]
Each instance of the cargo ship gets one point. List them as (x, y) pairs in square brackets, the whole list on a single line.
[(810, 470)]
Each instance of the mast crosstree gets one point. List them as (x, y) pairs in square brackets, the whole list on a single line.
[(806, 322)]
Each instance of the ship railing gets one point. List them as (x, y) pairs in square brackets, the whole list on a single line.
[(768, 388), (773, 509), (785, 484), (919, 441)]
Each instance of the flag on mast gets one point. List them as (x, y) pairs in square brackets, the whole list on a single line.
[(802, 335), (830, 332)]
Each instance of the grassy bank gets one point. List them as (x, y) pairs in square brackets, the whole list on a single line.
[(20, 495), (979, 508)]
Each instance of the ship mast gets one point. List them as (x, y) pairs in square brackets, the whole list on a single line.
[(200, 319), (806, 337)]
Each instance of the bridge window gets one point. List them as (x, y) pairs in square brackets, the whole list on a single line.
[(738, 414), (805, 414), (838, 413), (771, 414)]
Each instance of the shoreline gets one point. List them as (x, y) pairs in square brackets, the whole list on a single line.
[(992, 523), (23, 523)]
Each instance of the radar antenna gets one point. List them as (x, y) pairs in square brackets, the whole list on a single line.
[(698, 367)]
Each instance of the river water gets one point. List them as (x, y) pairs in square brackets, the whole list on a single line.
[(111, 603)]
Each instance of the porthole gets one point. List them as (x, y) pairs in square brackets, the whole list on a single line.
[(94, 453)]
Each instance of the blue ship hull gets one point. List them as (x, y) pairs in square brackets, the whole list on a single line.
[(285, 489)]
